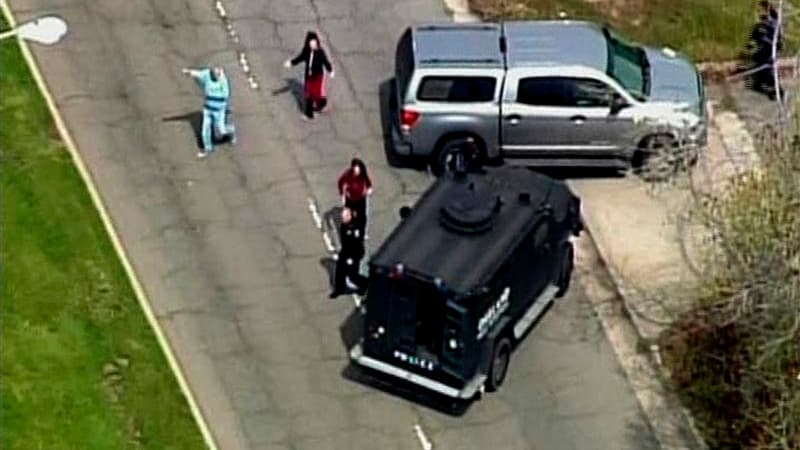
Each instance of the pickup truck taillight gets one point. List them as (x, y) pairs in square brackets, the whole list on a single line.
[(408, 118)]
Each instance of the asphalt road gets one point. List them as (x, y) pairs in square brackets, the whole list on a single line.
[(231, 258)]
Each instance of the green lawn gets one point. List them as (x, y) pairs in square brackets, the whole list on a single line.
[(707, 30), (81, 368)]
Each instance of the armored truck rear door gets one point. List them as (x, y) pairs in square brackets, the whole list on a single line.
[(403, 317)]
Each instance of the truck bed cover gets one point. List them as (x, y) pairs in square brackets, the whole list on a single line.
[(430, 243), (477, 44)]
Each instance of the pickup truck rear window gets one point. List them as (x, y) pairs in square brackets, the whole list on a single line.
[(457, 89)]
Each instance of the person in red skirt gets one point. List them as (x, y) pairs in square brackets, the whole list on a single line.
[(354, 187), (316, 64)]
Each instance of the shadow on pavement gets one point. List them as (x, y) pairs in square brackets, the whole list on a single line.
[(195, 120), (294, 86), (640, 435), (566, 173), (329, 265), (350, 332), (387, 103), (331, 220), (350, 329)]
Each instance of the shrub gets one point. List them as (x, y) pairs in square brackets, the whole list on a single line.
[(736, 357)]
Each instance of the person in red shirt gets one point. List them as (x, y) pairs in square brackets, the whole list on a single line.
[(354, 187)]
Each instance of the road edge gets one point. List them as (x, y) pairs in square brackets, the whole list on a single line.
[(653, 355), (661, 408), (141, 296)]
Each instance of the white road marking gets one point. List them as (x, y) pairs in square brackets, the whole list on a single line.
[(314, 213), (221, 9), (235, 39), (423, 440), (312, 206), (330, 224), (328, 243)]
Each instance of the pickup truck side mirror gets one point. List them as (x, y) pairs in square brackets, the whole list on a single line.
[(617, 104)]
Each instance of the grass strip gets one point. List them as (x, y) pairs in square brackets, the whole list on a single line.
[(80, 368)]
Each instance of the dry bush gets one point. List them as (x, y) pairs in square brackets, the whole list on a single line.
[(736, 358)]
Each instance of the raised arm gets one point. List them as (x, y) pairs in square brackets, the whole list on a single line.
[(194, 73), (299, 58)]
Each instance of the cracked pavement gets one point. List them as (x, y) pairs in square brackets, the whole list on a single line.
[(228, 252)]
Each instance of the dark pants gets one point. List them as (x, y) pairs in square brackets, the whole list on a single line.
[(360, 208), (314, 105), (347, 267), (764, 79)]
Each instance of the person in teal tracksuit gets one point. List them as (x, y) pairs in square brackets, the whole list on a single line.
[(215, 107)]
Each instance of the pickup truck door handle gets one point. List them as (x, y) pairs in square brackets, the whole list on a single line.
[(577, 120), (514, 119)]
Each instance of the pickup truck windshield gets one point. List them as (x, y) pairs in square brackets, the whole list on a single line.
[(627, 63)]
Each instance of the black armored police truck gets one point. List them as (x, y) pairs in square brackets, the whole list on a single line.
[(465, 275)]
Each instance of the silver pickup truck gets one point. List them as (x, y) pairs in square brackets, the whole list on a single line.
[(546, 93)]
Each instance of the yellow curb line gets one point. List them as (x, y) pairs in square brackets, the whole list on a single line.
[(98, 203)]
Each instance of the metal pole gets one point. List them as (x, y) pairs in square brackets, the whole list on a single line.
[(775, 72)]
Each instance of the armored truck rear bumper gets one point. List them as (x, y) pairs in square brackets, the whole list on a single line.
[(470, 389)]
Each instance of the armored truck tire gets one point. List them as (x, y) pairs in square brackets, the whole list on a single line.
[(445, 157), (566, 269), (501, 355)]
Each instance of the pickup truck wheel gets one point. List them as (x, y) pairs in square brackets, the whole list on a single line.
[(657, 159), (453, 152), (567, 266), (499, 367)]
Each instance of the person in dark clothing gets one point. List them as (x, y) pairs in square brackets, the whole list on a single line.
[(355, 187), (316, 64), (762, 38), (349, 259)]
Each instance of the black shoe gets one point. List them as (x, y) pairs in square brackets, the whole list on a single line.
[(334, 294)]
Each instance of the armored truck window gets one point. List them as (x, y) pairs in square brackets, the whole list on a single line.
[(545, 91), (541, 236), (457, 89)]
